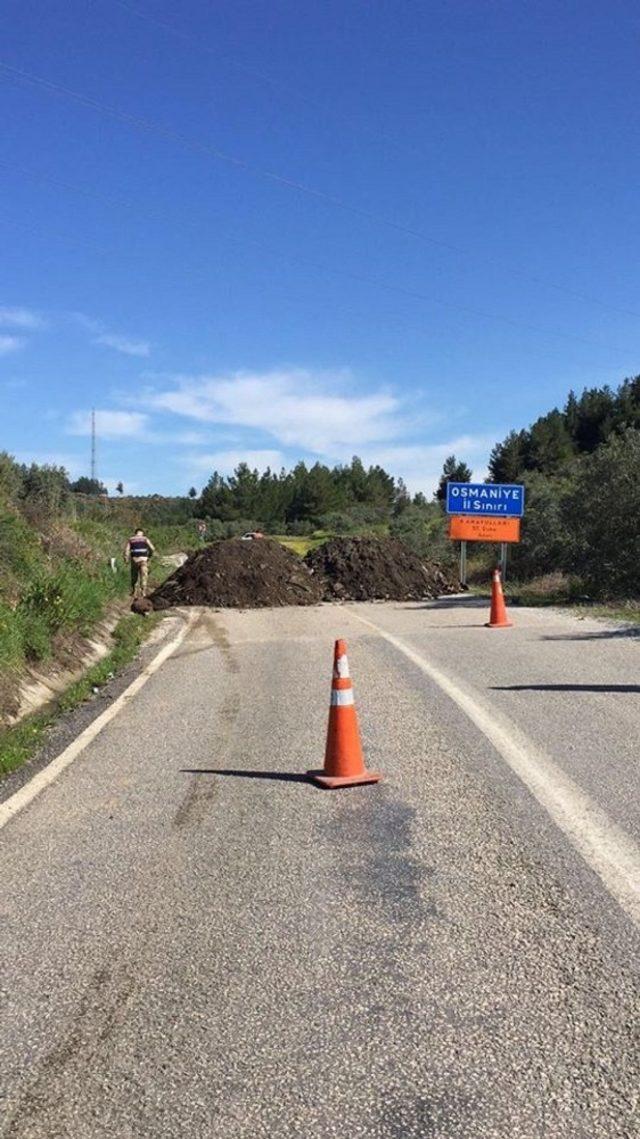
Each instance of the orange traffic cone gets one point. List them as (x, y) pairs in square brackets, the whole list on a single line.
[(343, 761), (498, 618)]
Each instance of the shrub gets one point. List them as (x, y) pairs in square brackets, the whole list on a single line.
[(602, 514), (20, 554), (424, 529), (11, 639), (547, 540), (11, 479)]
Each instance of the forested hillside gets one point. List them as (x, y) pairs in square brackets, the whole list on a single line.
[(583, 425), (581, 467), (296, 501)]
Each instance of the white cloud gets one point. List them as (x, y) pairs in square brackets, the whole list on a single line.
[(20, 318), (311, 411), (226, 461), (192, 438), (84, 321), (140, 348), (112, 486), (314, 415), (102, 335), (11, 344), (109, 424), (421, 465)]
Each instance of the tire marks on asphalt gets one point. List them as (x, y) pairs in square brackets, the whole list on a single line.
[(603, 845), (210, 634)]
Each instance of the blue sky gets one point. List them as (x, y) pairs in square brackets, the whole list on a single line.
[(289, 230)]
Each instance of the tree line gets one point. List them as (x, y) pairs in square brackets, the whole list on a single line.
[(306, 496), (343, 499), (580, 464), (579, 428), (581, 468)]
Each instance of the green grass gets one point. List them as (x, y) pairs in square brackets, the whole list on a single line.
[(299, 546), (628, 611), (65, 584), (19, 743), (549, 589), (561, 591)]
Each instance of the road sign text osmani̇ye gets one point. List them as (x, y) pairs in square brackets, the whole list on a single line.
[(506, 500)]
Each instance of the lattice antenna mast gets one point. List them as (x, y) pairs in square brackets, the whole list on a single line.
[(93, 444)]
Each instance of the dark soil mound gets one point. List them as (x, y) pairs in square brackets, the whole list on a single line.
[(363, 569), (240, 575), (141, 606)]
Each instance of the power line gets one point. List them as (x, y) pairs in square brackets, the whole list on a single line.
[(522, 274), (198, 147), (277, 84), (360, 278)]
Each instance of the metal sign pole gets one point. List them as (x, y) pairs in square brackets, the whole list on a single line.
[(463, 563), (503, 560)]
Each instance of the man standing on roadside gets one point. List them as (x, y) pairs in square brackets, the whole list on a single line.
[(138, 550)]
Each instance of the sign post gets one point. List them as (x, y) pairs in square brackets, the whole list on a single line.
[(463, 562), (484, 512)]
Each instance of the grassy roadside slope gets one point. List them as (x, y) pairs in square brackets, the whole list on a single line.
[(19, 743), (61, 570)]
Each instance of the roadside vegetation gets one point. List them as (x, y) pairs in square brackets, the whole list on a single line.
[(19, 743), (580, 537), (581, 469), (307, 505), (57, 579)]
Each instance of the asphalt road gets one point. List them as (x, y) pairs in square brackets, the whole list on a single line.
[(195, 942)]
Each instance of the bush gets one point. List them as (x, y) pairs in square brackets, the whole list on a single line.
[(602, 513), (11, 479), (301, 528), (11, 639), (35, 634), (547, 540), (20, 555), (424, 529), (45, 491)]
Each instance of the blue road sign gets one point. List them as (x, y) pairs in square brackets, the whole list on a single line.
[(506, 500)]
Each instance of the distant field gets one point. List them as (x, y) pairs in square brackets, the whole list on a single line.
[(301, 546)]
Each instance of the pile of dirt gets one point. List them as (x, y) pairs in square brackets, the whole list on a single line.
[(141, 606), (240, 575), (366, 569)]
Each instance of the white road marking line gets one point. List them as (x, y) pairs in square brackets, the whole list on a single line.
[(16, 803), (603, 845)]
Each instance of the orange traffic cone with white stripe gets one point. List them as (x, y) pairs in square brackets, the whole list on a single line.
[(498, 618), (343, 761)]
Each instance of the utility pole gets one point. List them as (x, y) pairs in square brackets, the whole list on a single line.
[(93, 444)]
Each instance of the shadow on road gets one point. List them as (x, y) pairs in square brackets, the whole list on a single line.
[(566, 688), (460, 601), (459, 625), (600, 635), (281, 776)]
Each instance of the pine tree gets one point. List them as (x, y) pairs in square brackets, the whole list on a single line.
[(510, 459), (453, 471)]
